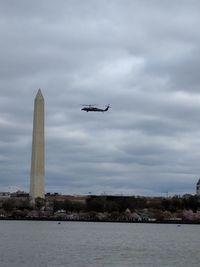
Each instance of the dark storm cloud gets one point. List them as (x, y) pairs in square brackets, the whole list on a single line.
[(142, 57)]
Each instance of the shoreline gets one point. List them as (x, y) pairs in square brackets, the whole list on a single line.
[(100, 221)]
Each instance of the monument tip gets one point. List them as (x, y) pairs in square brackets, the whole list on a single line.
[(39, 93)]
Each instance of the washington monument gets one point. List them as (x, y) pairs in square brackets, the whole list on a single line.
[(37, 160)]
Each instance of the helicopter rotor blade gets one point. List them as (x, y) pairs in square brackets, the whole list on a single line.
[(89, 105)]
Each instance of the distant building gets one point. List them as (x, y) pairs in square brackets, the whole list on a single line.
[(4, 194), (19, 194), (187, 196), (198, 188)]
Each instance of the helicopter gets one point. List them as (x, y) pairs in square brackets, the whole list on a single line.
[(94, 109)]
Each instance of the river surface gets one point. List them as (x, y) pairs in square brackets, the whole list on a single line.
[(81, 244)]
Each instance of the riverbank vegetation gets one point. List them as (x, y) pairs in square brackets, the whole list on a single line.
[(103, 208)]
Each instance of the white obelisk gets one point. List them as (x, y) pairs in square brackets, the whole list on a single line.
[(37, 160)]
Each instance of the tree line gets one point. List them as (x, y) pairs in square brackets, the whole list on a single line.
[(105, 204)]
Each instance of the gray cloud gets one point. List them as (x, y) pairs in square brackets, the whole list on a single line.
[(140, 57)]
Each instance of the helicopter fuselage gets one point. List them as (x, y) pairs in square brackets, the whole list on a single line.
[(94, 109)]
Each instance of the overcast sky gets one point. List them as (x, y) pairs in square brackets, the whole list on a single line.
[(141, 57)]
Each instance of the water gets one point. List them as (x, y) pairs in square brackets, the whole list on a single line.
[(81, 244)]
